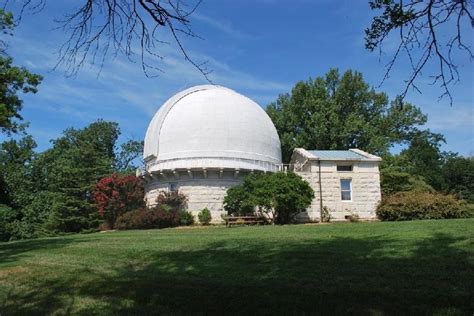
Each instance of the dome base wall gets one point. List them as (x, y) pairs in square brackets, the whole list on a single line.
[(202, 191)]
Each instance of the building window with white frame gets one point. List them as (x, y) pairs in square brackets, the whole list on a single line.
[(346, 189)]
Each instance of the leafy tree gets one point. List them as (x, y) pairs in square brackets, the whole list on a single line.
[(116, 195), (340, 112), (51, 192), (427, 31), (47, 214), (279, 195), (458, 174), (126, 158), (74, 164), (17, 185), (6, 28), (425, 158), (238, 200), (417, 167), (395, 181), (13, 80), (8, 217)]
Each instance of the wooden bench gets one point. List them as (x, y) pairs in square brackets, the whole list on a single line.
[(242, 220)]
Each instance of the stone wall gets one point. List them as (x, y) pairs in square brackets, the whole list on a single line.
[(365, 189), (202, 191), (208, 190)]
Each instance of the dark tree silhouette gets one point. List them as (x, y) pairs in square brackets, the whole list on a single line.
[(418, 25), (98, 29)]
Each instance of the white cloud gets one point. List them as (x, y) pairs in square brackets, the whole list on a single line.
[(224, 27), (444, 118)]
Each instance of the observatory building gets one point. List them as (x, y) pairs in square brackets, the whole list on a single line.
[(204, 140)]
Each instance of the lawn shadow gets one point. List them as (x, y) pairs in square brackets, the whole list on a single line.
[(336, 276), (39, 301), (13, 251)]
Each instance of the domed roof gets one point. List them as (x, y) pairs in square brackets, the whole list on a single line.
[(211, 126)]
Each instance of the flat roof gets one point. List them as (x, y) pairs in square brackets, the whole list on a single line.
[(336, 154), (352, 154)]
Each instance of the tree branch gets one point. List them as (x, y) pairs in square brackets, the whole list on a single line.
[(419, 23), (100, 29)]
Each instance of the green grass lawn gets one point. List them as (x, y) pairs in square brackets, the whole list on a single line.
[(422, 267)]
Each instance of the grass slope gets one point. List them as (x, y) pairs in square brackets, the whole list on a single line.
[(424, 267)]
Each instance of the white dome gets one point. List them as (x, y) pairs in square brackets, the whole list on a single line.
[(211, 127)]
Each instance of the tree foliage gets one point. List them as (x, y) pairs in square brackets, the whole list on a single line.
[(126, 158), (458, 174), (341, 112), (8, 217), (404, 206), (280, 196), (51, 192), (419, 25), (77, 160), (238, 199), (6, 28), (422, 167), (16, 173), (425, 158), (13, 80), (115, 195), (397, 181)]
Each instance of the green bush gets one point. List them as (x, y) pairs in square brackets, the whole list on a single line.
[(204, 216), (458, 173), (468, 209), (238, 201), (7, 217), (279, 196), (47, 214), (186, 218), (420, 205), (395, 181)]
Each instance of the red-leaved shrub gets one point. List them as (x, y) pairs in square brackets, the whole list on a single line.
[(173, 199), (117, 195), (156, 217)]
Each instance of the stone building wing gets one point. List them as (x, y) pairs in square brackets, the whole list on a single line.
[(347, 182)]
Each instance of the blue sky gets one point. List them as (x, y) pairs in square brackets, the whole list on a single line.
[(259, 48)]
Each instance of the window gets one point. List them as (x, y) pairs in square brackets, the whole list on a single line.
[(173, 186), (346, 189), (344, 167)]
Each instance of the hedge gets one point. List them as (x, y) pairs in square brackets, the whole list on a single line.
[(421, 205)]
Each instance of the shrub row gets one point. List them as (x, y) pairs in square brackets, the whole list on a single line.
[(421, 205), (157, 217), (160, 216), (169, 212)]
